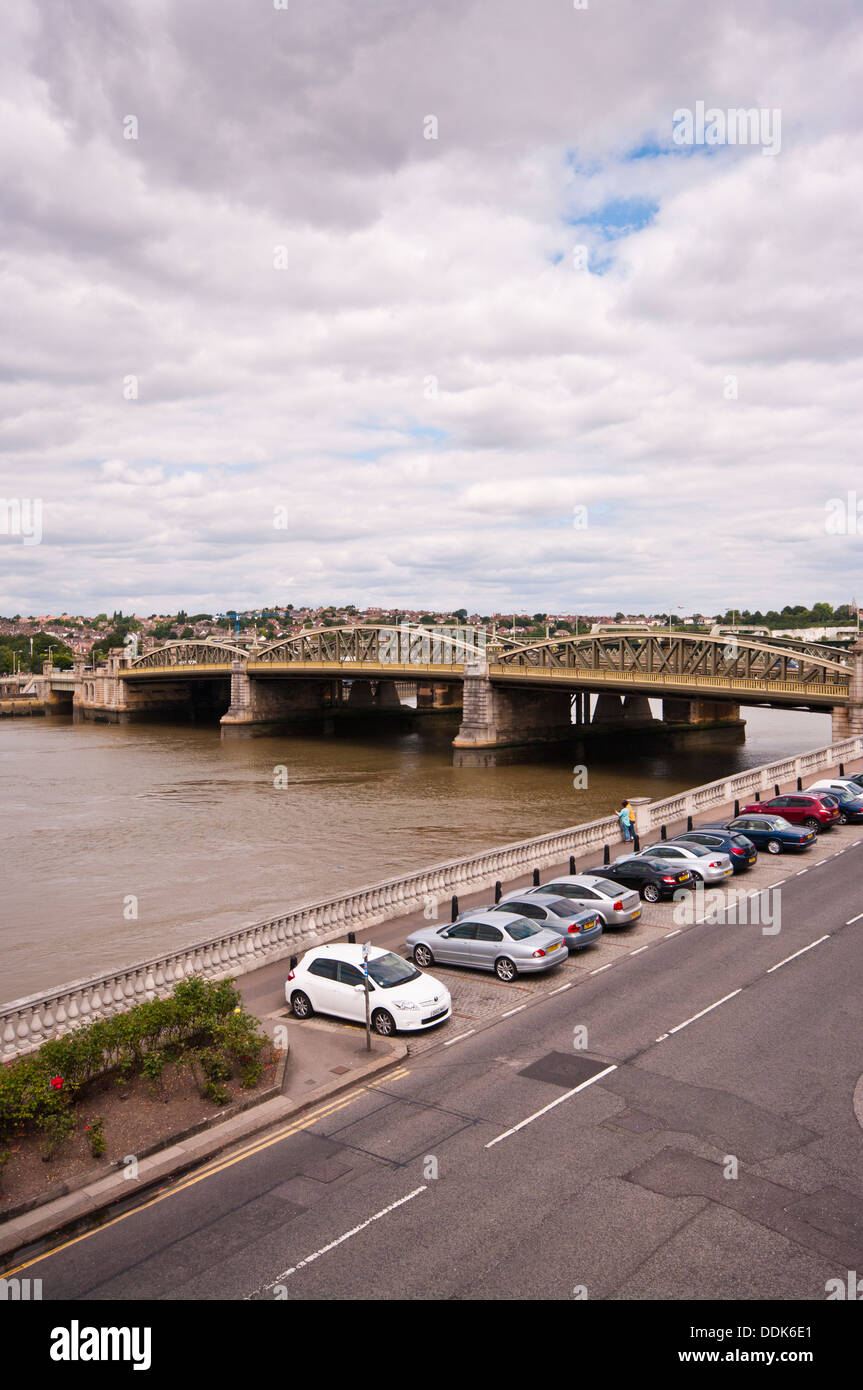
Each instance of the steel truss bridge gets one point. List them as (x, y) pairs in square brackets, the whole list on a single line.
[(742, 669)]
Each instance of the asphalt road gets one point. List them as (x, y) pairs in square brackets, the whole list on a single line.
[(716, 1154)]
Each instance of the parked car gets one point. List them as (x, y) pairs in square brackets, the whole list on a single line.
[(799, 808), (706, 865), (329, 980), (773, 833), (740, 850), (616, 906), (576, 926), (849, 799), (654, 879), (487, 940)]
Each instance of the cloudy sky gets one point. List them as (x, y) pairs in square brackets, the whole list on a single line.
[(430, 303)]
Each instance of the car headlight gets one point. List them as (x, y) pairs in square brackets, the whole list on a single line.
[(405, 1004)]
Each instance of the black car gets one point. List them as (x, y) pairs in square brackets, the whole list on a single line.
[(654, 880), (739, 848), (772, 832)]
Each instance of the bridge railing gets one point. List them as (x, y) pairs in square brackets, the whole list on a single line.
[(25, 1023)]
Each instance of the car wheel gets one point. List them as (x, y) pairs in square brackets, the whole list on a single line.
[(383, 1023), (504, 969), (423, 956), (843, 818), (301, 1004), (774, 847), (811, 823), (650, 893)]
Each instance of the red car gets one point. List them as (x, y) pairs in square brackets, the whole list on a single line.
[(800, 808)]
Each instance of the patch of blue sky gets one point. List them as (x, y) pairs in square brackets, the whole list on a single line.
[(619, 217)]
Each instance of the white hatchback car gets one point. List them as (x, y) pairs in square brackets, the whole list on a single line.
[(329, 980)]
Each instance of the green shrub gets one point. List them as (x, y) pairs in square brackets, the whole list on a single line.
[(200, 1017), (96, 1136)]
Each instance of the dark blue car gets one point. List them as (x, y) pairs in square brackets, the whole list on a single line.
[(739, 848), (773, 833)]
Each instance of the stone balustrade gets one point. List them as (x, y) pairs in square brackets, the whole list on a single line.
[(26, 1023)]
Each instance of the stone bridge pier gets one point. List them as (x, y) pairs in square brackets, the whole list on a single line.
[(848, 719), (259, 705), (495, 716)]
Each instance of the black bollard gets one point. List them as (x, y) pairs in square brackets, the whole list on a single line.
[(635, 840), (497, 891), (688, 822), (737, 806), (454, 908), (606, 854), (800, 784), (663, 832), (841, 769), (536, 878), (352, 938), (776, 789), (572, 863)]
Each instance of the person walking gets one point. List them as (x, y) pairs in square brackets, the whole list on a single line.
[(624, 815)]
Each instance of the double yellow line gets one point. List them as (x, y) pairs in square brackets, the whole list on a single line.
[(217, 1165)]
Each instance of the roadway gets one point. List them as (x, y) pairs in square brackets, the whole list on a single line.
[(505, 1162)]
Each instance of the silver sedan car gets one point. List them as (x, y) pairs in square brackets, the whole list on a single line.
[(509, 946), (574, 925), (708, 865), (616, 905)]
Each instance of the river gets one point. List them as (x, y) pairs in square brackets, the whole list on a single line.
[(191, 831)]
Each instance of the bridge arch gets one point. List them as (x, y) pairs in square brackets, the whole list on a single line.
[(384, 645), (654, 654), (189, 653)]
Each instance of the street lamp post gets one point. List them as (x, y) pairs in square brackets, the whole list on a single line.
[(366, 980)]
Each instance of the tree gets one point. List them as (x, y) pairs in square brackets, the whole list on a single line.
[(540, 617)]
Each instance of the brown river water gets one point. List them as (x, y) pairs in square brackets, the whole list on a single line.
[(193, 827)]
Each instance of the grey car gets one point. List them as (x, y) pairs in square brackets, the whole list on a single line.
[(708, 865), (616, 905), (576, 926), (509, 946)]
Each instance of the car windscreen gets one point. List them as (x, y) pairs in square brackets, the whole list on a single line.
[(778, 823), (696, 848), (521, 929), (561, 908), (390, 970), (741, 840)]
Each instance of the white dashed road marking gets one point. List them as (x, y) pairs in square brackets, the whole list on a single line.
[(801, 952), (545, 1109)]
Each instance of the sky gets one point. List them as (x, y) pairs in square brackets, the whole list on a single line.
[(431, 304)]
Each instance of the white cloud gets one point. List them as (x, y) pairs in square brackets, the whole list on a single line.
[(431, 385)]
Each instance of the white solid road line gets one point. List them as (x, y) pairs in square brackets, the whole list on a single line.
[(545, 1109), (801, 952), (286, 1274), (560, 988), (686, 1022), (676, 932), (854, 919), (600, 968), (459, 1038), (802, 871), (639, 951), (509, 1013), (773, 885)]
